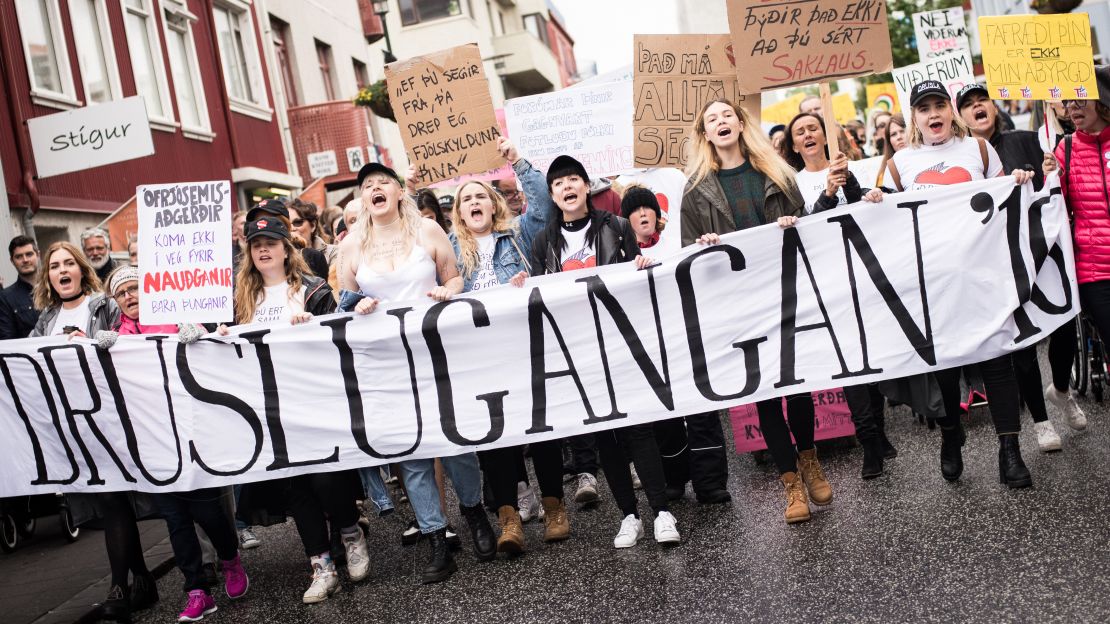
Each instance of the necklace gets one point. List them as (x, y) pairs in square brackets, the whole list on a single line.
[(388, 225)]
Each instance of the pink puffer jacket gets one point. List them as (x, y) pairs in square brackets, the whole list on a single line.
[(1087, 192)]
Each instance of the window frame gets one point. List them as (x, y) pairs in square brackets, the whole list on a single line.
[(241, 10), (107, 44), (202, 132), (283, 54), (541, 22), (66, 98), (165, 122), (362, 74), (416, 11), (325, 62)]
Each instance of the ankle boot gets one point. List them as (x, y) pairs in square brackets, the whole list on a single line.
[(820, 491), (951, 457), (797, 504), (144, 592), (512, 533), (556, 525), (442, 565), (116, 606), (889, 452), (1011, 468), (872, 458), (485, 544)]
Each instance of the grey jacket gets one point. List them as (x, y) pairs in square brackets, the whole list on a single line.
[(103, 314), (705, 209)]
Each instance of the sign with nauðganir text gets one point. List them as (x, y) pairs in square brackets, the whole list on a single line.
[(185, 252), (940, 32), (785, 44), (445, 113), (1038, 57), (90, 136)]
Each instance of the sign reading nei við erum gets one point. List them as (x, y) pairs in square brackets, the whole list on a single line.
[(90, 136), (185, 252), (940, 32)]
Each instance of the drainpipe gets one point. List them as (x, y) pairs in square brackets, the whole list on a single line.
[(222, 85), (19, 125)]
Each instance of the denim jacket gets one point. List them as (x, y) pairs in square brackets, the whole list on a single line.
[(509, 245)]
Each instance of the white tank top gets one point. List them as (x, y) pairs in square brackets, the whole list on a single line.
[(411, 280)]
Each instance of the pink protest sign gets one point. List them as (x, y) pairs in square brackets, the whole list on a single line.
[(502, 172), (834, 420)]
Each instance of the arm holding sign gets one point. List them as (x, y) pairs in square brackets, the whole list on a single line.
[(540, 206)]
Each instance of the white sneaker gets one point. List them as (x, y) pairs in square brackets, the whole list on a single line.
[(247, 539), (632, 529), (666, 528), (1047, 438), (527, 502), (635, 477), (587, 489), (1065, 402), (358, 555), (324, 581)]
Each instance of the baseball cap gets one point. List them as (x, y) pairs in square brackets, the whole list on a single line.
[(967, 90), (924, 89), (272, 206), (371, 168), (268, 227)]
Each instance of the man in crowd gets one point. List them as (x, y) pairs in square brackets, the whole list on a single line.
[(97, 247), (17, 311), (514, 197)]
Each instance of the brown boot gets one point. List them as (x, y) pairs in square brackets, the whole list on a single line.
[(797, 504), (512, 534), (820, 491), (556, 526)]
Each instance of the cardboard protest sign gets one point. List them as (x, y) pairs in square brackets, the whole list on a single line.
[(503, 172), (954, 70), (940, 32), (589, 123), (673, 76), (1038, 57), (445, 113), (883, 95), (785, 44), (185, 252), (834, 420)]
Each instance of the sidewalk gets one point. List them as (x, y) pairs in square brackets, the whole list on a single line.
[(50, 581)]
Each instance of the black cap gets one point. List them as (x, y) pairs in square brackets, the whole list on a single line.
[(563, 166), (639, 197), (967, 90), (926, 88), (776, 128), (371, 168), (446, 202), (269, 227), (272, 206)]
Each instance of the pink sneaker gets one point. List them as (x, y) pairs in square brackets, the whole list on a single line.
[(200, 605), (235, 578)]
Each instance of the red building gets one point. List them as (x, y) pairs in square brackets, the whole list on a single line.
[(199, 65), (562, 46)]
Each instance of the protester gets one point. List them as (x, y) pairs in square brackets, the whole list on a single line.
[(393, 255), (735, 173), (429, 207), (133, 251), (777, 134), (604, 198), (879, 120), (941, 151), (445, 203), (328, 220), (314, 258), (97, 246), (17, 306), (858, 133), (894, 140), (640, 207), (514, 196), (304, 217)]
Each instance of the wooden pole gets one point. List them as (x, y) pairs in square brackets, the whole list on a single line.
[(832, 129)]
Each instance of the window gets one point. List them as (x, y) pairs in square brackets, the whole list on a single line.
[(279, 31), (191, 104), (145, 48), (95, 52), (537, 25), (239, 58), (323, 58), (44, 47), (416, 11), (362, 77)]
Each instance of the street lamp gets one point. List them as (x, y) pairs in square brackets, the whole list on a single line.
[(381, 7)]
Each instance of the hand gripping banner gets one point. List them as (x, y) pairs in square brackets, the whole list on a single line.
[(920, 282)]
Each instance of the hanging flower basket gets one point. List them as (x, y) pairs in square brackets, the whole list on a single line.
[(1054, 6), (376, 98)]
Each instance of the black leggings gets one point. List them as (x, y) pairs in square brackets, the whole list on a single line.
[(1061, 355), (1002, 394), (121, 537), (799, 411), (1095, 299), (636, 442), (315, 499), (503, 469)]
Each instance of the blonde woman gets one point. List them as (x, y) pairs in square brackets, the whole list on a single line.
[(738, 181)]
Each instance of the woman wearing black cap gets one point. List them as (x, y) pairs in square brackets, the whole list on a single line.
[(582, 237), (941, 152)]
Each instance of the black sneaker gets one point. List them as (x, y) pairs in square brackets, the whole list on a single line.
[(411, 535), (116, 607), (144, 592), (714, 497)]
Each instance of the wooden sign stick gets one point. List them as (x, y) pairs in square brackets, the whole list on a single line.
[(832, 129)]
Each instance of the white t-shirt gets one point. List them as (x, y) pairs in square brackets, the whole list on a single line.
[(812, 185), (484, 275), (577, 254), (276, 304), (951, 162), (77, 317)]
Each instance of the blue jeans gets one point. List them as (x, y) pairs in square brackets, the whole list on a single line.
[(375, 488), (420, 482), (183, 511)]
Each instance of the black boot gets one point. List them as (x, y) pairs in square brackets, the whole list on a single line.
[(442, 565), (951, 459), (116, 607), (872, 458), (889, 452), (144, 592), (485, 542), (1011, 468)]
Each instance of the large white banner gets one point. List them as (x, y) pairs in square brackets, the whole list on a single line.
[(923, 281)]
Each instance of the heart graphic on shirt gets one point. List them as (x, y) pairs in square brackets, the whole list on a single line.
[(573, 264), (941, 175), (663, 205)]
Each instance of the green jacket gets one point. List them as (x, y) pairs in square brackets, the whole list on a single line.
[(706, 211)]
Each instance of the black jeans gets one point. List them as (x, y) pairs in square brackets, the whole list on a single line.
[(183, 512), (121, 537), (1002, 394), (799, 411), (1095, 299), (693, 448), (583, 450), (314, 499), (502, 468), (866, 404), (636, 442)]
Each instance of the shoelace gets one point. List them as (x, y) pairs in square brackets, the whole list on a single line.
[(196, 601), (813, 468), (115, 593), (353, 556), (794, 492), (627, 528)]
